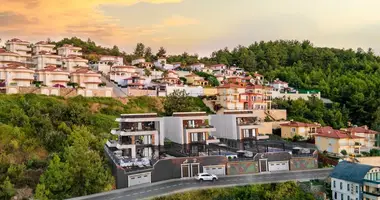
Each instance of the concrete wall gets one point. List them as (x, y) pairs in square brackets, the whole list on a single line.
[(303, 163), (278, 114), (210, 91), (225, 126), (171, 168), (294, 96), (140, 92), (242, 167), (266, 128), (65, 92), (173, 129), (191, 91)]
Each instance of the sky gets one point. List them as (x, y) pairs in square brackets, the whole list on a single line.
[(194, 26)]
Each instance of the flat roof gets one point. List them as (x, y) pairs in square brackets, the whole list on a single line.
[(139, 115)]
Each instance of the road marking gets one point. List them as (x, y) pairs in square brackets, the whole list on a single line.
[(168, 186), (175, 185), (135, 193), (156, 189), (149, 191), (142, 192), (162, 188), (127, 195)]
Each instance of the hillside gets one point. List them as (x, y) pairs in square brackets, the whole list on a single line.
[(55, 146)]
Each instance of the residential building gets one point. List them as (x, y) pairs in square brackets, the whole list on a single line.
[(171, 78), (119, 73), (197, 66), (255, 98), (219, 77), (279, 85), (139, 136), (335, 141), (364, 132), (218, 67), (295, 94), (73, 63), (190, 131), (106, 62), (229, 96), (16, 75), (292, 128), (138, 61), (69, 50), (52, 76), (146, 65), (7, 57), (43, 46), (258, 79), (135, 81), (192, 91), (43, 59), (273, 161), (22, 48), (193, 79), (355, 181), (237, 128), (162, 63), (86, 78)]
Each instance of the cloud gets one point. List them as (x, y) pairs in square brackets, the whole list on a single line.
[(57, 18), (177, 20)]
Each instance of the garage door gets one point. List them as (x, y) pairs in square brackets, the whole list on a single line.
[(278, 166), (137, 179), (215, 169)]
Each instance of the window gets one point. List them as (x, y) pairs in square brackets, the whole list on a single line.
[(341, 187), (293, 130), (334, 184), (348, 187), (335, 195), (357, 189), (341, 197)]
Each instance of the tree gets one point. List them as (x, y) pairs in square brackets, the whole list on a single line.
[(139, 50), (115, 51), (343, 152), (7, 190), (165, 74), (161, 52), (177, 101), (147, 72), (148, 55)]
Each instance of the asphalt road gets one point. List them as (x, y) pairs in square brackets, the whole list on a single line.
[(180, 185)]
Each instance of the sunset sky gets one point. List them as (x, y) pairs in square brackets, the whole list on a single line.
[(195, 26)]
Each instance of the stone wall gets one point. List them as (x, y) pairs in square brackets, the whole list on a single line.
[(303, 163), (242, 167), (65, 92), (140, 92)]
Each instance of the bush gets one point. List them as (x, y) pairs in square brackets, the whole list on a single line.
[(344, 152)]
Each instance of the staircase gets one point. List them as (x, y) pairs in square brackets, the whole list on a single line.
[(267, 113)]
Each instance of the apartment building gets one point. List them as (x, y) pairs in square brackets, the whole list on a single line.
[(139, 136), (366, 133), (7, 57), (86, 78), (335, 141), (190, 131), (72, 63), (255, 98), (16, 75), (237, 128), (292, 128), (135, 81), (355, 181), (43, 59), (52, 76), (119, 73), (22, 48), (106, 62), (229, 96), (44, 46), (69, 50)]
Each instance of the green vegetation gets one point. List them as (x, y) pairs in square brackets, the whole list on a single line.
[(55, 146), (350, 78), (209, 77), (178, 101), (314, 110), (281, 191)]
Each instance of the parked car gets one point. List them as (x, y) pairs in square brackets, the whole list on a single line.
[(206, 177)]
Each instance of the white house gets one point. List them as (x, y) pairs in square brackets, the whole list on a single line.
[(72, 63), (218, 67), (52, 76), (161, 63), (197, 66), (66, 50), (119, 73), (7, 57), (105, 62), (86, 78), (22, 48), (138, 61), (16, 75), (43, 46), (355, 181), (44, 59), (279, 85)]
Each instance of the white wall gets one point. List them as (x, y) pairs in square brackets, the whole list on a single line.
[(225, 126), (191, 91), (173, 129), (344, 189)]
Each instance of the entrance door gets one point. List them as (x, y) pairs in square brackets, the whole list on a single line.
[(185, 170), (194, 169), (263, 165)]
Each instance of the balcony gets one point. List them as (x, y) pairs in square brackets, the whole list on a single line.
[(111, 143), (196, 129), (371, 195), (125, 146), (373, 184), (130, 132), (262, 137), (212, 140)]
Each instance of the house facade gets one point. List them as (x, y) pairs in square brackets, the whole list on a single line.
[(237, 128), (193, 79), (335, 141), (7, 57), (229, 96), (355, 181), (86, 78), (69, 50), (16, 75), (72, 63), (52, 76), (119, 73), (139, 136), (44, 59), (138, 61), (197, 66), (43, 46), (366, 133), (106, 62), (135, 81), (190, 131), (22, 48), (292, 128)]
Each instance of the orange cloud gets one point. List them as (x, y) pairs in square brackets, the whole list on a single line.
[(177, 20), (53, 18)]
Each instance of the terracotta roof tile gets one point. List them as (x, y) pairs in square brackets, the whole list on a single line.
[(298, 124)]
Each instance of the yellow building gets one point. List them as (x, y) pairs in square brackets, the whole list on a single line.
[(229, 96), (210, 91), (334, 141), (291, 129), (193, 79)]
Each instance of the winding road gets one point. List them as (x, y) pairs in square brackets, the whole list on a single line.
[(180, 185)]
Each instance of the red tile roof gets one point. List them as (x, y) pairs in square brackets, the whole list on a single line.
[(362, 129), (231, 85), (298, 124), (279, 82), (338, 134)]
